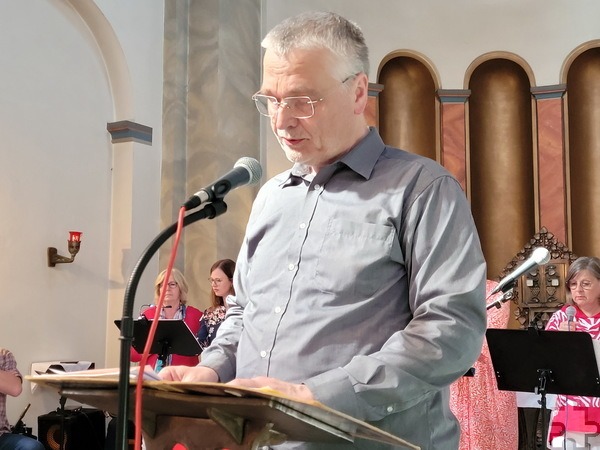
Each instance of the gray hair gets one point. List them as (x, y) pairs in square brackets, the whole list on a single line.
[(590, 263), (327, 30)]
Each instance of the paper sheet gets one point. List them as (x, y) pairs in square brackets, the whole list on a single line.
[(40, 368)]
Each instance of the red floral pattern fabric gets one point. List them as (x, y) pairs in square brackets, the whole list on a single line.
[(488, 417)]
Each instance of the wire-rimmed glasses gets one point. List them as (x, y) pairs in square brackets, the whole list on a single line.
[(299, 107), (586, 285)]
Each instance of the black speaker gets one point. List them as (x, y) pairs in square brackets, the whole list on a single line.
[(83, 429)]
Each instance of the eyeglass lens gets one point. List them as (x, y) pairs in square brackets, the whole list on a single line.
[(297, 107), (585, 284)]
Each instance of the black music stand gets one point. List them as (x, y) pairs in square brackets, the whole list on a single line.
[(172, 336), (542, 362)]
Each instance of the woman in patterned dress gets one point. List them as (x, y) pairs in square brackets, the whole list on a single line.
[(488, 417), (221, 281), (580, 416)]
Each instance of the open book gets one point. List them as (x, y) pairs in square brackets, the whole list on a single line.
[(295, 419)]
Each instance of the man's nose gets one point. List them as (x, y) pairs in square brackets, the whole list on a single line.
[(283, 117)]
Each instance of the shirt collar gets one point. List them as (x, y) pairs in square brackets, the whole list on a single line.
[(361, 159)]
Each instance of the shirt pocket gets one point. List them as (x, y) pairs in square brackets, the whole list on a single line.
[(354, 258)]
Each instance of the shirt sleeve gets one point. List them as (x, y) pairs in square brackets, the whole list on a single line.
[(221, 358), (8, 363), (221, 354)]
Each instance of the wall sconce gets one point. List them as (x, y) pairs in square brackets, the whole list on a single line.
[(74, 242)]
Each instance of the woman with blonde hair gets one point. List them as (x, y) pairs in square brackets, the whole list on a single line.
[(174, 307)]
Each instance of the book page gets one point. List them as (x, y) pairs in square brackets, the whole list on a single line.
[(109, 373)]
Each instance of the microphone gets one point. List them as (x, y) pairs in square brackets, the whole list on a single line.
[(570, 313), (245, 171), (540, 255), (144, 308)]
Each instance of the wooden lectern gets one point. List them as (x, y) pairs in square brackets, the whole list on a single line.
[(216, 415)]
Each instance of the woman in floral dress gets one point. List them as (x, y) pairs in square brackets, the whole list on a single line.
[(221, 281), (488, 417)]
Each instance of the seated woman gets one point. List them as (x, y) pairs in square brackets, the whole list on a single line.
[(221, 281), (488, 417), (174, 307), (575, 416)]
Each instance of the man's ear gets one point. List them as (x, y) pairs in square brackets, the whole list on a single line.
[(361, 93)]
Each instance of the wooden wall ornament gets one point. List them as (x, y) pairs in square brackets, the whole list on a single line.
[(541, 291)]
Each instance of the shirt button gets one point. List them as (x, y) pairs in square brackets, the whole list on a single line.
[(291, 267), (263, 354), (390, 409), (302, 226), (317, 187), (277, 310)]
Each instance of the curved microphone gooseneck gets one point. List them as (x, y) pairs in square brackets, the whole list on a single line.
[(209, 211)]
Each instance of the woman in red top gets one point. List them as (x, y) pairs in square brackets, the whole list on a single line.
[(174, 307), (576, 416)]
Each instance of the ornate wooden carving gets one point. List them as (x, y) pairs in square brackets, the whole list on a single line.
[(541, 291)]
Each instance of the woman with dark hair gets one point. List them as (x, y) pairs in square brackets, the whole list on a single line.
[(221, 282), (576, 418)]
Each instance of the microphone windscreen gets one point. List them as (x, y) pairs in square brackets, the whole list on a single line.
[(252, 166), (541, 255), (570, 313)]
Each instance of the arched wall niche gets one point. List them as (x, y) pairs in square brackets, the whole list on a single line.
[(581, 73), (408, 107), (501, 145), (498, 55)]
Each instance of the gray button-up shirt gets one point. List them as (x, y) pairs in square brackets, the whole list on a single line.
[(366, 282)]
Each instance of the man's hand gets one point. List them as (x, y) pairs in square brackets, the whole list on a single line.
[(297, 391), (205, 374), (189, 374)]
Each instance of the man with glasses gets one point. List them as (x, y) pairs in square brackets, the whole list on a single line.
[(360, 283)]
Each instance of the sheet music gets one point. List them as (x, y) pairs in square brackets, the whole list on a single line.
[(39, 368)]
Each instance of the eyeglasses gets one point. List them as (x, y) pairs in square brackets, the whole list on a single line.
[(215, 280), (170, 285), (585, 285), (301, 107)]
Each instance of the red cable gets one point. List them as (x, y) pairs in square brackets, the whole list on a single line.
[(145, 354)]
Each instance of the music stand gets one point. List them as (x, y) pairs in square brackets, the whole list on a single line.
[(542, 362), (172, 336)]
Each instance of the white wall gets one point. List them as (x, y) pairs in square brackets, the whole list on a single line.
[(58, 89), (453, 34)]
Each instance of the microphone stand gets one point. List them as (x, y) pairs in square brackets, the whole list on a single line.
[(209, 211), (505, 297)]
